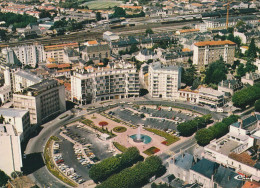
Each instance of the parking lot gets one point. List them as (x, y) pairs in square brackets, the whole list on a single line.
[(69, 156), (156, 118)]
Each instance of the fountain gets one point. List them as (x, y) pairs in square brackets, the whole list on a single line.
[(141, 138)]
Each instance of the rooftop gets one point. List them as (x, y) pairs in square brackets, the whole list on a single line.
[(247, 122), (184, 161), (205, 167), (60, 46), (215, 43), (159, 66), (11, 112), (29, 76)]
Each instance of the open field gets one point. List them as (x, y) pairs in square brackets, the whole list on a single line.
[(97, 5)]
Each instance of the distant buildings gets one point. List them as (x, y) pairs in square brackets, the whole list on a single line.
[(210, 51), (101, 84), (109, 36), (43, 100), (211, 97), (229, 86), (164, 81), (251, 78)]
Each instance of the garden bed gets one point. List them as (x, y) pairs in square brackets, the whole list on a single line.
[(152, 150), (119, 129), (170, 139), (120, 147)]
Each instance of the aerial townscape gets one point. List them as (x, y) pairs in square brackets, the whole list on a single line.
[(130, 93)]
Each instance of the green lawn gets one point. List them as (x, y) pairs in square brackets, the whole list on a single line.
[(97, 5), (120, 147), (170, 139)]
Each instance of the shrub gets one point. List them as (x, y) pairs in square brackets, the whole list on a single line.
[(119, 129)]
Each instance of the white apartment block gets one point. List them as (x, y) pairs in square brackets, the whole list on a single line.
[(43, 100), (5, 94), (164, 81), (20, 119), (104, 84), (10, 152), (30, 55), (207, 52), (23, 79)]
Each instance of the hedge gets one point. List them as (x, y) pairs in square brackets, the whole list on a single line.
[(137, 176), (101, 171)]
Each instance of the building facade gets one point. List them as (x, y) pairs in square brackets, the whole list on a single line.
[(208, 52), (43, 100), (164, 81), (30, 55), (104, 84), (10, 152)]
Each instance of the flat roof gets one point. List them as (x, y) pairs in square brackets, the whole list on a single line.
[(11, 112), (214, 43), (28, 76), (226, 145)]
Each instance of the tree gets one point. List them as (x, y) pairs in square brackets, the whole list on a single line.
[(133, 49), (250, 67), (237, 40), (216, 72), (119, 12), (241, 71), (3, 35), (257, 106), (204, 136), (196, 83), (45, 14), (3, 178), (252, 49), (149, 31), (231, 37), (240, 23), (98, 16), (189, 75)]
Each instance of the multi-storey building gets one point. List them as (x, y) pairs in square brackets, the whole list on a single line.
[(164, 81), (211, 97), (104, 84), (207, 52), (43, 100), (23, 79), (20, 119), (30, 55), (10, 152), (57, 52)]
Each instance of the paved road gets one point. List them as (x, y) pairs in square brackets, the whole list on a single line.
[(41, 175)]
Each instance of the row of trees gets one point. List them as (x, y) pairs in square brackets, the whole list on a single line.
[(101, 171), (17, 20), (190, 127), (136, 176), (246, 96), (3, 178), (120, 12), (204, 136)]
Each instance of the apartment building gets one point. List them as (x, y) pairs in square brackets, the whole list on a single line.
[(164, 81), (57, 52), (20, 119), (207, 52), (104, 84), (5, 94), (43, 100), (10, 152), (211, 97), (30, 55), (23, 79)]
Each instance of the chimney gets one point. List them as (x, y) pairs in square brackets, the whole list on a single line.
[(241, 122), (252, 113)]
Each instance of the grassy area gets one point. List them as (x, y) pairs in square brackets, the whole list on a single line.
[(51, 166), (102, 130), (120, 147), (119, 129), (152, 150), (97, 5), (170, 139)]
